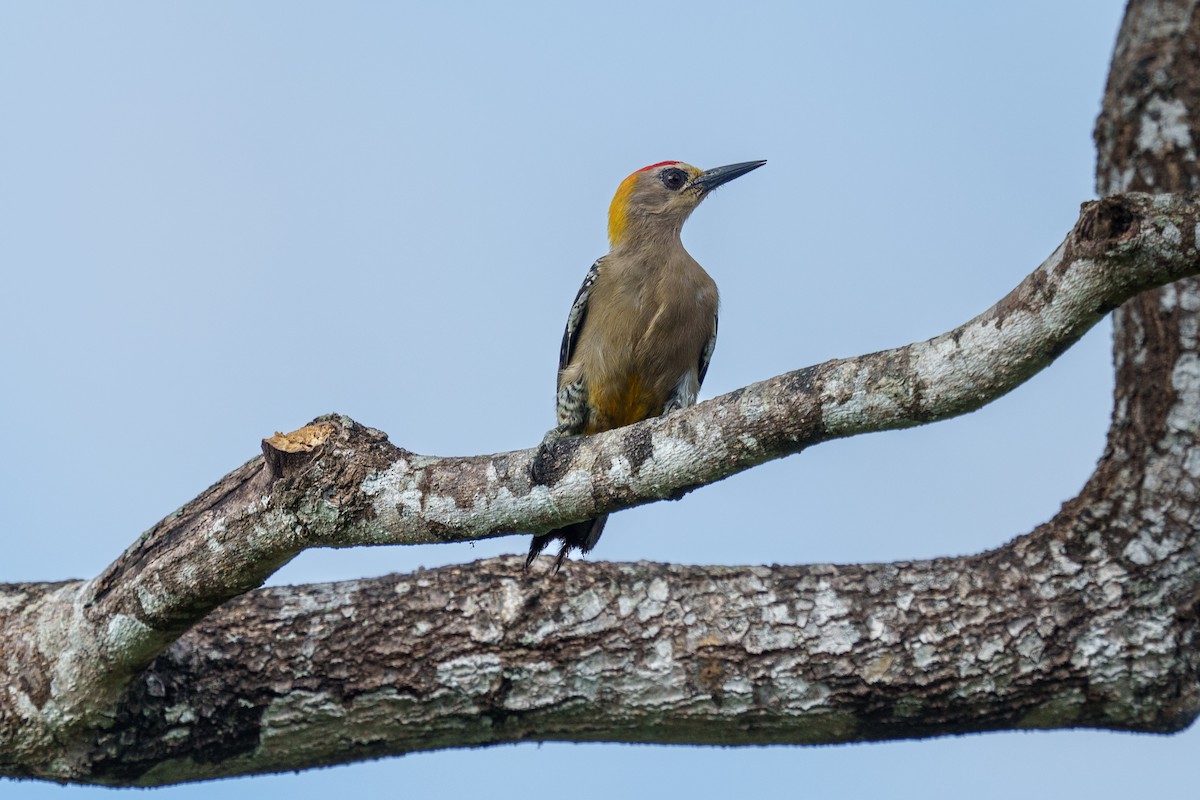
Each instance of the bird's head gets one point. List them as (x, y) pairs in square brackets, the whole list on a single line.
[(656, 200)]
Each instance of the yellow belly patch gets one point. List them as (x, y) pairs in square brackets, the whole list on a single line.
[(620, 405)]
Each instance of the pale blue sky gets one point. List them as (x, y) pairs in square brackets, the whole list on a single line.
[(220, 219)]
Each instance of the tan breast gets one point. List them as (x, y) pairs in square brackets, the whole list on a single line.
[(648, 320)]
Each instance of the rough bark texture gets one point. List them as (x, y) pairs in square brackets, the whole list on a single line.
[(287, 678), (171, 666)]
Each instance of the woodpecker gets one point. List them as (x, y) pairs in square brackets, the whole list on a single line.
[(641, 331)]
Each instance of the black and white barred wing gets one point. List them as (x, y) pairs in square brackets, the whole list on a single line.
[(571, 411)]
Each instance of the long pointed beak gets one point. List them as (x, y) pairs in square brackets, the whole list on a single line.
[(707, 181)]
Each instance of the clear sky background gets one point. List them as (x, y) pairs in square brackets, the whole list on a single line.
[(221, 219)]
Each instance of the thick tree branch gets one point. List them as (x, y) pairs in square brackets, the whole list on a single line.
[(480, 654), (1091, 620), (338, 484)]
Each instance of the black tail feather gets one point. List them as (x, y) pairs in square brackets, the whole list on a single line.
[(581, 535)]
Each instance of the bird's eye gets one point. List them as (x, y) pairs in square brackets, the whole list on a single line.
[(673, 178)]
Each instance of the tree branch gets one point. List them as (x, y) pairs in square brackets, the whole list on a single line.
[(1093, 619), (286, 678), (335, 483)]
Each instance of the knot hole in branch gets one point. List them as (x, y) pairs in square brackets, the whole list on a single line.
[(1106, 220)]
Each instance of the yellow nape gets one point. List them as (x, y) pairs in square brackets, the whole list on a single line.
[(618, 214)]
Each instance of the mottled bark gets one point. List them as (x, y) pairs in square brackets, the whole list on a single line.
[(479, 654), (172, 666)]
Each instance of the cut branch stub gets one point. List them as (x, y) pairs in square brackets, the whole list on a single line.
[(287, 451)]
